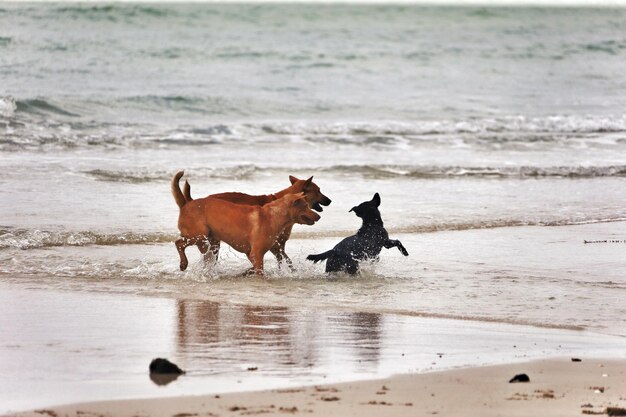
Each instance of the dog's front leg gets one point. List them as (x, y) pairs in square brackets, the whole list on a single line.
[(278, 251), (278, 248), (256, 258), (287, 259), (213, 251), (391, 243)]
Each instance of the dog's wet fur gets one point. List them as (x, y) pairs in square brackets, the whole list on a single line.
[(366, 244), (313, 196), (249, 229)]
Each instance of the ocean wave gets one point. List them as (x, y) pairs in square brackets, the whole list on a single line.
[(180, 103), (463, 226), (238, 172), (609, 46), (553, 124), (41, 124), (42, 107), (35, 239), (217, 104), (427, 172), (247, 171), (7, 106), (113, 12), (69, 110), (25, 239)]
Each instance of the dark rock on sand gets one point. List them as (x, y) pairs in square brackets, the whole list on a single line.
[(520, 378), (163, 366), (576, 360)]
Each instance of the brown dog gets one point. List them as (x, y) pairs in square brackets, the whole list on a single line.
[(252, 230), (312, 194)]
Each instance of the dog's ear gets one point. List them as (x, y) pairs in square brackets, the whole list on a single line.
[(376, 199), (299, 201), (308, 182), (292, 179)]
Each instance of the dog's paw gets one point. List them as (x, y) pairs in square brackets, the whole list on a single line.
[(403, 251), (183, 265), (312, 258)]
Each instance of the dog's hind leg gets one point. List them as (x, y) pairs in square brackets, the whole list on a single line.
[(202, 245), (391, 243), (181, 245), (352, 267)]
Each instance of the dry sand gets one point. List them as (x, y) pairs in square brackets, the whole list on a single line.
[(557, 387)]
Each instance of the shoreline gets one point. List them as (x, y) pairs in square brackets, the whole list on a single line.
[(543, 277), (239, 348), (557, 387)]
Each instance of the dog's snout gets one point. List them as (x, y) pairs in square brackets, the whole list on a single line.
[(326, 201)]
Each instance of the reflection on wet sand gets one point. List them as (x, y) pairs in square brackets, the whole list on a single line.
[(366, 332), (163, 379), (219, 338)]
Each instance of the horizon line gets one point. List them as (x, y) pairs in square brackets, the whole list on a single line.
[(476, 3)]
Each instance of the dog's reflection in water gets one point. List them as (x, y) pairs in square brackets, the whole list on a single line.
[(226, 338)]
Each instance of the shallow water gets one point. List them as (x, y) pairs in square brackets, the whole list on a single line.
[(541, 276)]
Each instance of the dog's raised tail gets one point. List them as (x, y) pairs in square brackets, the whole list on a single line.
[(178, 195), (187, 191), (319, 256)]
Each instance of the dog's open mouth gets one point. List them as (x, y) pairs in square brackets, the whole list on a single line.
[(309, 218), (317, 207)]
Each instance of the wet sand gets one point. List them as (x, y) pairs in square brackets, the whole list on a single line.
[(557, 387), (63, 347)]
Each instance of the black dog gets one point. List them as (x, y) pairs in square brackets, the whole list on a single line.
[(366, 244)]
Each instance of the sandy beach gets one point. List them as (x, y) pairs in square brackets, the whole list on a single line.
[(557, 387)]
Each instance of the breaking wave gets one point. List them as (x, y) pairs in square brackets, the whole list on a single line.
[(55, 123), (34, 239), (42, 107), (241, 172), (238, 172), (469, 225), (557, 123), (385, 171), (7, 106)]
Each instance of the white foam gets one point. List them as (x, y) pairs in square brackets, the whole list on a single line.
[(7, 106)]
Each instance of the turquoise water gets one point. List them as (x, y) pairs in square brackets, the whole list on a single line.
[(169, 65)]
